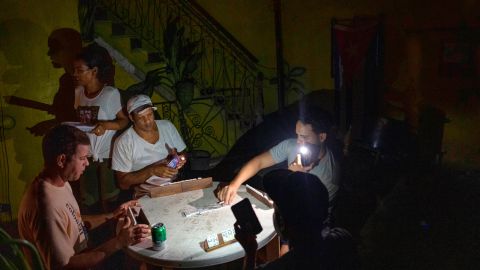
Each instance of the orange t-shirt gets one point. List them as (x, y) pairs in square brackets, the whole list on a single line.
[(49, 217)]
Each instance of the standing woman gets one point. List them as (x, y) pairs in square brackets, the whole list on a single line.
[(98, 103)]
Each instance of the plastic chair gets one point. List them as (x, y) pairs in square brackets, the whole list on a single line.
[(14, 258)]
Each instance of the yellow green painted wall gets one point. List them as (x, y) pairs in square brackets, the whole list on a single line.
[(410, 58), (26, 71)]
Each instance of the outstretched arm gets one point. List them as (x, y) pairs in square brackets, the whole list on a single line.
[(264, 160)]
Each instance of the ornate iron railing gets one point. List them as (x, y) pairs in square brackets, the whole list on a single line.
[(228, 97)]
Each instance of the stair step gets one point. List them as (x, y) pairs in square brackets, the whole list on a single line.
[(151, 58), (141, 54), (122, 45)]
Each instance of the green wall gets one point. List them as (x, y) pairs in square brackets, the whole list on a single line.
[(26, 72), (412, 59)]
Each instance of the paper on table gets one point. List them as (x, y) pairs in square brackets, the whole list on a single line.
[(82, 126)]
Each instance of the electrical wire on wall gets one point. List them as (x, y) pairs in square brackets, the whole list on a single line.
[(5, 122)]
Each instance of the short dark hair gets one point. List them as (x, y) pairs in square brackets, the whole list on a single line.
[(301, 198), (320, 119), (97, 56), (62, 139)]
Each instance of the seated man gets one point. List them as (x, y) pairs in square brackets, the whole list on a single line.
[(312, 128), (49, 216), (301, 206), (141, 152)]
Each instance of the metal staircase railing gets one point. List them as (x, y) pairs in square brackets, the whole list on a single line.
[(229, 97)]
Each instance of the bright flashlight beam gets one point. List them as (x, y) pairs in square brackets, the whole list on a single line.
[(303, 150)]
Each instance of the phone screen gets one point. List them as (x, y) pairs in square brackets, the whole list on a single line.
[(173, 163), (246, 217)]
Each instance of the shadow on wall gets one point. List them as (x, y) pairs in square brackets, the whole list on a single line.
[(24, 76), (63, 46)]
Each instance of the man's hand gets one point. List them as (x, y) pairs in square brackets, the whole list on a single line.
[(99, 129), (227, 193), (246, 239), (128, 235), (162, 170), (249, 243), (172, 152), (121, 211), (181, 161), (295, 167)]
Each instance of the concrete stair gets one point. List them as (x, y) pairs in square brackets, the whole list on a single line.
[(140, 54)]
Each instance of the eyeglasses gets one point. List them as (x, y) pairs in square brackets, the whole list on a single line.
[(80, 70)]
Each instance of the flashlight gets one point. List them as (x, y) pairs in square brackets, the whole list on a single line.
[(307, 154), (303, 151), (299, 159)]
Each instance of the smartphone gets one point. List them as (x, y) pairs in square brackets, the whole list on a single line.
[(246, 217), (173, 163)]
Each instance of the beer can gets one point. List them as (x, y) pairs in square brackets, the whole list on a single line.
[(159, 236)]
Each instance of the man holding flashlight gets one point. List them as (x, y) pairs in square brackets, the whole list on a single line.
[(307, 153), (148, 149)]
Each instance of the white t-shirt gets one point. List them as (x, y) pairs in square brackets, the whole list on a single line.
[(132, 153), (49, 217), (325, 170), (109, 104)]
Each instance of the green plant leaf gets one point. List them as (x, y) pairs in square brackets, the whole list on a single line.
[(169, 81), (297, 83), (184, 92), (187, 50), (191, 65), (296, 71), (298, 90), (288, 83), (166, 92), (180, 33), (170, 36)]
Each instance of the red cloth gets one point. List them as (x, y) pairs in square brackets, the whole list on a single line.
[(353, 42)]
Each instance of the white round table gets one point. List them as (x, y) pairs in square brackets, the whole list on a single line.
[(185, 234)]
